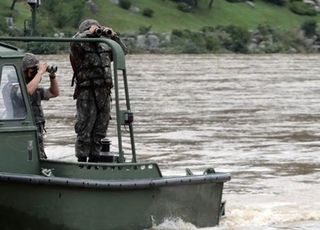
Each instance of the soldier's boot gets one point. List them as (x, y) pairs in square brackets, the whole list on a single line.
[(82, 159), (93, 158)]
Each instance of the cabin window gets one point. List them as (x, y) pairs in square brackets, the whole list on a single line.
[(12, 105)]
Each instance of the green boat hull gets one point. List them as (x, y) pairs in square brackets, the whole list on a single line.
[(37, 202)]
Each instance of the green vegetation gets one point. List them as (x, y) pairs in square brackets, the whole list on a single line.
[(166, 16), (179, 26), (302, 8)]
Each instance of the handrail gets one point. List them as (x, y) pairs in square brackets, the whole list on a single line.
[(118, 58)]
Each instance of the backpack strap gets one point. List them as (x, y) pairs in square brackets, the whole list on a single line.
[(74, 68)]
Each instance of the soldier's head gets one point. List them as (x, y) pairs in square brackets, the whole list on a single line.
[(86, 24), (30, 66)]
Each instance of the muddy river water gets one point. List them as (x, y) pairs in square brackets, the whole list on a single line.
[(254, 116)]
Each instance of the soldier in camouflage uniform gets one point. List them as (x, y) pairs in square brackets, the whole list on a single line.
[(91, 64), (33, 72)]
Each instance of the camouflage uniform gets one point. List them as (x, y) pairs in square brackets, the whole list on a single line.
[(35, 100), (91, 62), (29, 61)]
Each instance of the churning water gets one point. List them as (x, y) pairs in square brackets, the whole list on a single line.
[(254, 116)]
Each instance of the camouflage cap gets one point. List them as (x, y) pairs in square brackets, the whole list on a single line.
[(86, 24), (29, 60)]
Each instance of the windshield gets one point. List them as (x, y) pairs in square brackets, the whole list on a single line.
[(12, 105)]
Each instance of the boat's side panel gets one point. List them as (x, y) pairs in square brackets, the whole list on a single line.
[(63, 207), (102, 171), (21, 157), (47, 207)]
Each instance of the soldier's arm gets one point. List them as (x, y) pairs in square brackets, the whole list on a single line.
[(33, 84), (53, 90), (76, 47), (117, 39)]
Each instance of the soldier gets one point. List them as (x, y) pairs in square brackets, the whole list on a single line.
[(91, 64), (33, 72)]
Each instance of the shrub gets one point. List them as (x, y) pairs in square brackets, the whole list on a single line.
[(125, 4), (239, 39), (309, 27), (277, 2), (178, 33), (302, 8), (42, 48), (3, 26), (265, 29), (191, 47), (213, 44), (208, 29), (235, 1), (184, 7), (144, 29), (147, 12)]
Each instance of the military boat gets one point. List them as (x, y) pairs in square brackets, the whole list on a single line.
[(113, 193)]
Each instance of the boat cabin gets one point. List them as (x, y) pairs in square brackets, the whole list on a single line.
[(18, 134)]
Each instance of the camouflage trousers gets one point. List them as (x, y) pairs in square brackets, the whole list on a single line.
[(93, 113), (40, 133)]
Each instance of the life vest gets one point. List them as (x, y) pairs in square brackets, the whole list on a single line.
[(91, 66)]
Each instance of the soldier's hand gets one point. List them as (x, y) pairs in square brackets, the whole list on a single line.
[(93, 28), (42, 68)]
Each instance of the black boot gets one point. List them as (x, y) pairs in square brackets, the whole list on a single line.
[(82, 159), (93, 158)]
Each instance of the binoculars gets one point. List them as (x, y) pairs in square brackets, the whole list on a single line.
[(52, 68), (103, 31)]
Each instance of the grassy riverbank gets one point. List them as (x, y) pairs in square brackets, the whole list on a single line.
[(255, 27), (166, 16)]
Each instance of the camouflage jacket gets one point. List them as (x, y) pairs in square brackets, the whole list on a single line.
[(35, 100), (91, 62)]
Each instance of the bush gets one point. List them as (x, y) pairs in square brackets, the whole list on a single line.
[(213, 44), (42, 48), (3, 26), (144, 29), (184, 7), (239, 39), (235, 1), (309, 27), (192, 48), (177, 33), (302, 8), (125, 4), (265, 29), (147, 12), (277, 2)]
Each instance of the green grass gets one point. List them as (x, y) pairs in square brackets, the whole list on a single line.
[(167, 17)]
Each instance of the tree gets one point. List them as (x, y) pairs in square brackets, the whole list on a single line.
[(210, 4), (13, 4)]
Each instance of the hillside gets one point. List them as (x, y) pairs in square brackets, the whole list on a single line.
[(166, 16)]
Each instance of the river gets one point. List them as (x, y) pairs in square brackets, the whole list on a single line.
[(254, 116)]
